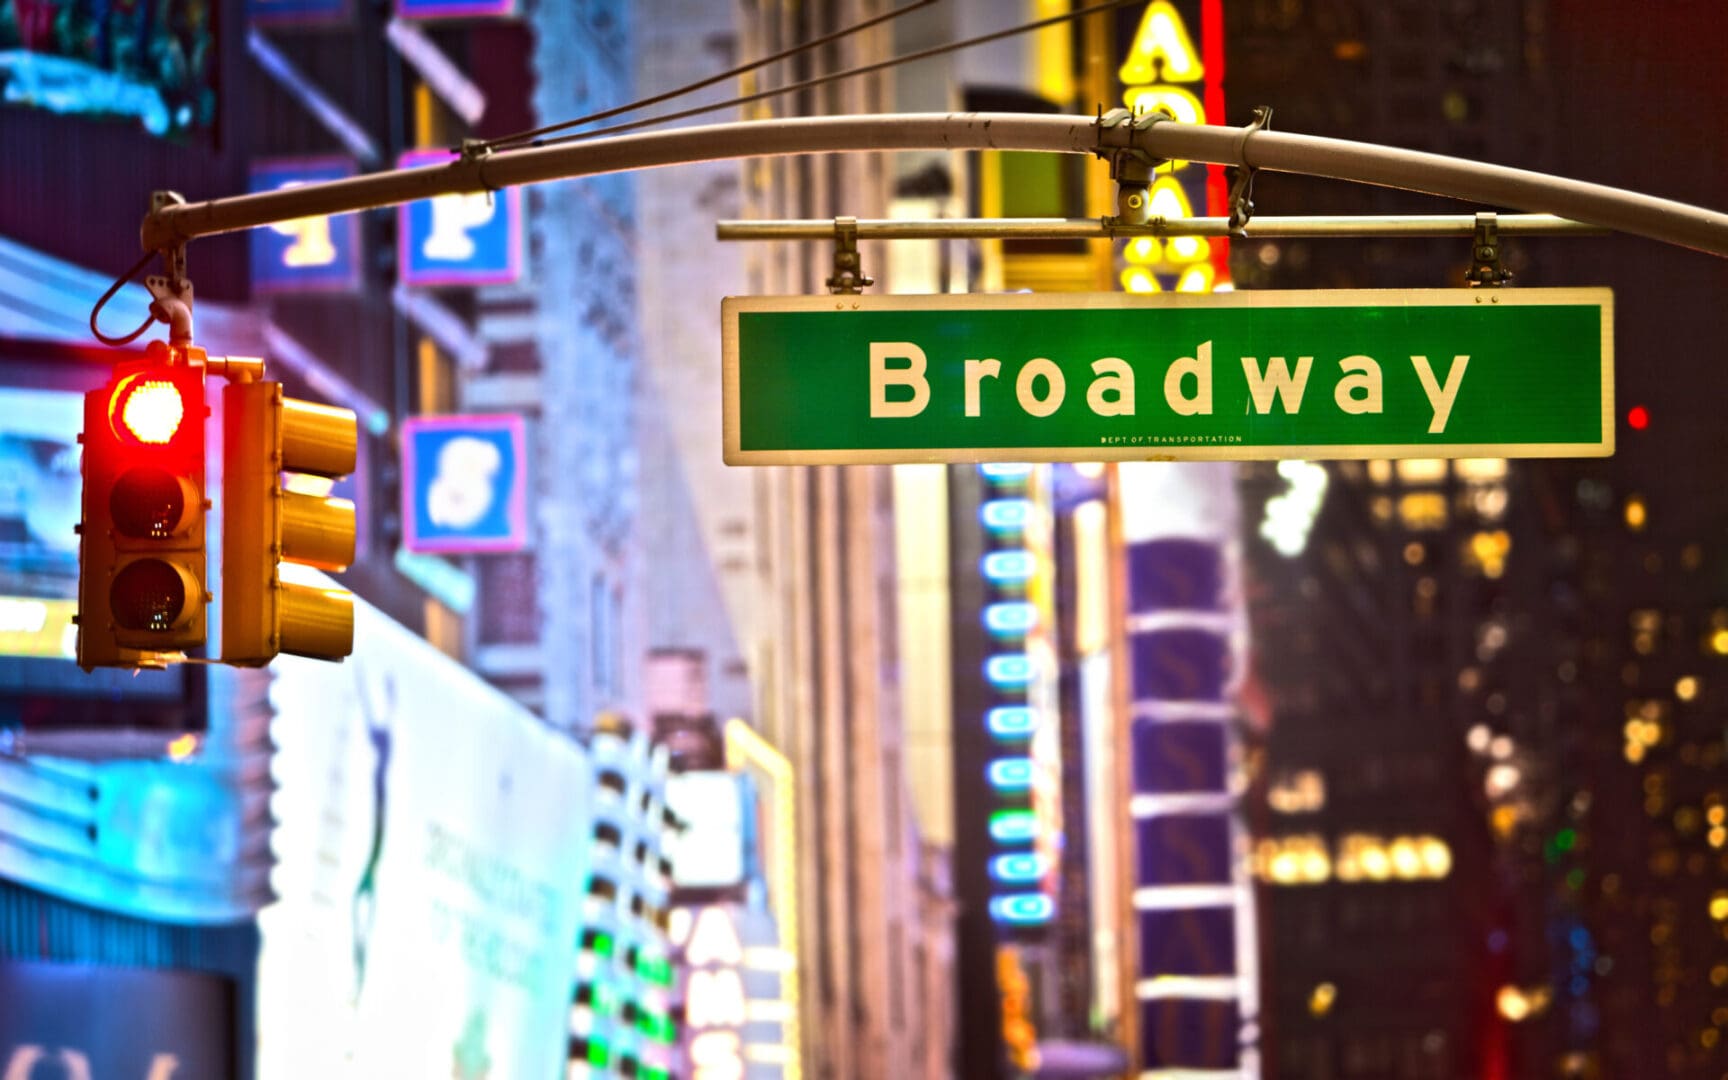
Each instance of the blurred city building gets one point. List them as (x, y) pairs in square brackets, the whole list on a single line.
[(1397, 610)]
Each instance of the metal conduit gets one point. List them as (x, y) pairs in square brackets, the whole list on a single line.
[(1258, 228), (1491, 185)]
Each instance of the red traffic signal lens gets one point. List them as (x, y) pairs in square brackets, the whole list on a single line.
[(148, 594), (149, 503), (148, 410)]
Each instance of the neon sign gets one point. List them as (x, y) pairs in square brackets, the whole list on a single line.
[(1020, 672), (1164, 71), (460, 239), (731, 957), (312, 254)]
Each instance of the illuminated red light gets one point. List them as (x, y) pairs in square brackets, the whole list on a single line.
[(1638, 417), (151, 410)]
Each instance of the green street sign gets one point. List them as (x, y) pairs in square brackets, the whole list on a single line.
[(1241, 375)]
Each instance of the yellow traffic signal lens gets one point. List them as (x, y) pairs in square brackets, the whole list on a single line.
[(149, 503), (151, 410), (149, 594)]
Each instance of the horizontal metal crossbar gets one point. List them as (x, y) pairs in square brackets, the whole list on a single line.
[(1258, 228)]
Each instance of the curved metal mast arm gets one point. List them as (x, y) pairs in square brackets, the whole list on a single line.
[(1493, 185)]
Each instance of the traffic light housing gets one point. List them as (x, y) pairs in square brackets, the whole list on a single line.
[(264, 524), (141, 558)]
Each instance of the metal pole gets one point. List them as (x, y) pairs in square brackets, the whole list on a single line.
[(1258, 228), (1486, 185)]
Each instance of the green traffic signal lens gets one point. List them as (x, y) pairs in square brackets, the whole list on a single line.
[(148, 594), (148, 502)]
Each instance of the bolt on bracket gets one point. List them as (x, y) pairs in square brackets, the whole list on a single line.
[(848, 279), (1486, 267)]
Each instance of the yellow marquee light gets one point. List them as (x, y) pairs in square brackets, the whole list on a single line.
[(1321, 999), (1636, 514), (1195, 279), (1436, 856), (1137, 279), (1376, 866), (1162, 51), (1406, 859), (1179, 103), (1512, 1003)]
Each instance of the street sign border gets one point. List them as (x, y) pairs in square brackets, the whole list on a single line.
[(732, 306)]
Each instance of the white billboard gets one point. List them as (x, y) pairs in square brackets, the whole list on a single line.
[(432, 854)]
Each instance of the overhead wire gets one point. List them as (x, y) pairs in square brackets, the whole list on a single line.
[(531, 137), (850, 73), (109, 295)]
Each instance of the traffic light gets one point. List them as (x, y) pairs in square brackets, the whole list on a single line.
[(141, 589), (264, 523)]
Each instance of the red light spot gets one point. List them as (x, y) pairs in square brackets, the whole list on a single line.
[(151, 410), (1638, 417)]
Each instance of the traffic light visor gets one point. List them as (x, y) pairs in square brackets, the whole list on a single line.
[(151, 502), (148, 410), (153, 595)]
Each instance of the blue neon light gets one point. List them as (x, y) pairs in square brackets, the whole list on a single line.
[(1022, 909), (1010, 617), (1013, 826), (1004, 473), (1017, 869), (1011, 721), (1011, 774), (1004, 515), (1001, 566), (1010, 670)]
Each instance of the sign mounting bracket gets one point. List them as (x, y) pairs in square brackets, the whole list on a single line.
[(1485, 262), (848, 279)]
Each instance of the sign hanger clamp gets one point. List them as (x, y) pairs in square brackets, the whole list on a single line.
[(1131, 166), (848, 278), (1485, 264), (1242, 188)]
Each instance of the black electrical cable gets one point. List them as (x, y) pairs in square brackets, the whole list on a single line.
[(742, 69), (109, 295), (823, 80)]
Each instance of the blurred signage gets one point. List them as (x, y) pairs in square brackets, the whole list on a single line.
[(463, 239), (283, 12), (39, 485), (84, 1022), (432, 851), (1225, 376), (709, 851), (465, 483), (454, 9), (39, 492), (156, 63), (30, 626), (734, 1003), (1166, 69), (1193, 911), (312, 254), (1023, 772)]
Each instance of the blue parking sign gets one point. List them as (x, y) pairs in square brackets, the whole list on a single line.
[(464, 484), (473, 239), (315, 254)]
